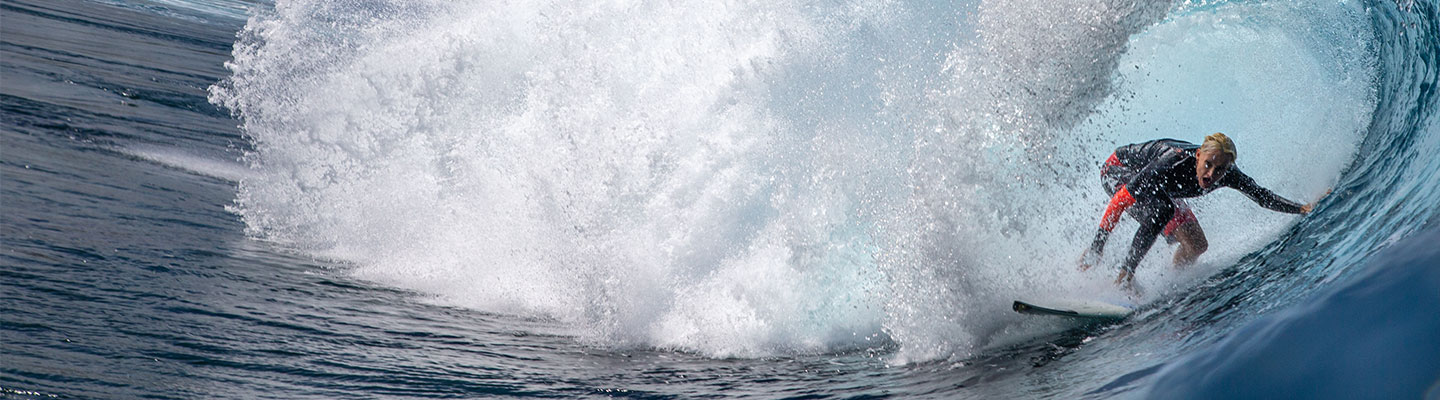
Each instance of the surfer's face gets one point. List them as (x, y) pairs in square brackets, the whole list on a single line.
[(1210, 166)]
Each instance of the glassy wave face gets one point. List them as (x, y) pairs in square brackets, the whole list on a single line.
[(767, 178), (386, 198)]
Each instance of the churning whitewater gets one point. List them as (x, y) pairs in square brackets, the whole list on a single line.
[(768, 178), (326, 199)]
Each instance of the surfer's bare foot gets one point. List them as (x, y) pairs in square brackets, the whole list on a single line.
[(1126, 282), (1134, 295)]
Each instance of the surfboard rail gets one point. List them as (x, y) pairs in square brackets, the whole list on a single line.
[(1087, 309)]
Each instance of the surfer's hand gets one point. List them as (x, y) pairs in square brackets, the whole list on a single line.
[(1088, 260), (1306, 209)]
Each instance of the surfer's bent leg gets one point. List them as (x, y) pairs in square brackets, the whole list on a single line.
[(1152, 216), (1192, 243)]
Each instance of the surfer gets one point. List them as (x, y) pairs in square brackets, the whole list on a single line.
[(1151, 179)]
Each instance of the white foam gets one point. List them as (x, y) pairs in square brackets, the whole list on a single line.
[(734, 178), (614, 166), (230, 170)]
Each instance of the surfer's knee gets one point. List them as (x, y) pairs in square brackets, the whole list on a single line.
[(1192, 244), (1193, 238)]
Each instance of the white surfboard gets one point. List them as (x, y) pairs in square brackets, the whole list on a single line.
[(1076, 308)]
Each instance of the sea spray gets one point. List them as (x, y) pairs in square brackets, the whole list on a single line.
[(616, 166), (996, 167), (730, 178)]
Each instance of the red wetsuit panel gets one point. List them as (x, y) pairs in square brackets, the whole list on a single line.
[(1113, 161), (1118, 204), (1182, 215)]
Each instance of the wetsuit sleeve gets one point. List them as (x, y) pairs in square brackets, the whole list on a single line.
[(1262, 196), (1118, 203)]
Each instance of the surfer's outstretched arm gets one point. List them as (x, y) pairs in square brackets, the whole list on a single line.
[(1118, 203), (1262, 196)]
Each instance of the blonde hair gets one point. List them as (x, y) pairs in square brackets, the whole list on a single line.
[(1219, 142)]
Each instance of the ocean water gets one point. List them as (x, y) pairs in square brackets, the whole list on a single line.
[(774, 199)]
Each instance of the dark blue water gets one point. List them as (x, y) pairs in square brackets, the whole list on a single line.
[(429, 200)]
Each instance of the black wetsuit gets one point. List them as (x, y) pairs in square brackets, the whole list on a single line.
[(1151, 176)]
